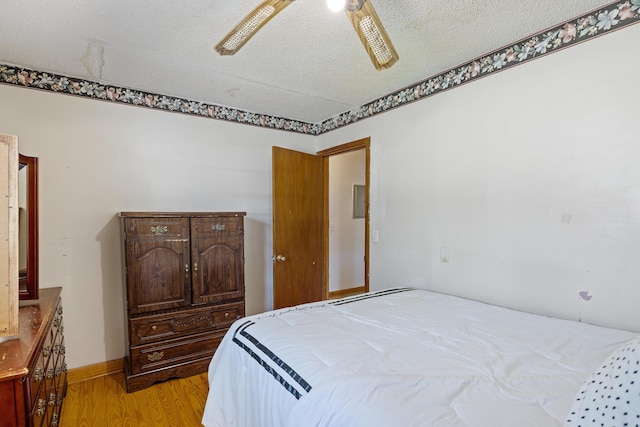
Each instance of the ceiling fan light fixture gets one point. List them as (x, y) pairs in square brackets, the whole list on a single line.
[(372, 34), (336, 5), (255, 20)]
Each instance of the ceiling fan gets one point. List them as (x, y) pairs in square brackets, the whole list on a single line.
[(360, 12)]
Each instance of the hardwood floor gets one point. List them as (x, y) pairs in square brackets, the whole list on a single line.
[(104, 401)]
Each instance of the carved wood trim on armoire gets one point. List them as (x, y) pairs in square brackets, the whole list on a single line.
[(184, 287)]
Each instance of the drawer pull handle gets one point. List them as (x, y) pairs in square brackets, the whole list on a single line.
[(155, 356), (159, 229), (226, 314), (154, 327), (40, 410), (38, 374)]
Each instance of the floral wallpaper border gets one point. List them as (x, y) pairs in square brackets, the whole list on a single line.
[(606, 19), (610, 17)]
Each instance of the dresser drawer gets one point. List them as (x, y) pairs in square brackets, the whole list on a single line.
[(150, 329), (155, 228), (220, 228), (36, 379), (173, 352), (42, 376), (39, 409)]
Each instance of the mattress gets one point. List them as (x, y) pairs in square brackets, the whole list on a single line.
[(402, 357)]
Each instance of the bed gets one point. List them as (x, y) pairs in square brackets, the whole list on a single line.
[(410, 357)]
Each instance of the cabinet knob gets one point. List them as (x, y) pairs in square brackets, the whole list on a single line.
[(226, 314), (281, 258), (186, 270), (195, 267), (154, 327)]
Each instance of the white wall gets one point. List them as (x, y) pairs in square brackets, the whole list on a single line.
[(346, 234), (529, 178), (97, 159)]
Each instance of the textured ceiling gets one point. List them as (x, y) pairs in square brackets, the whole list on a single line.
[(306, 64)]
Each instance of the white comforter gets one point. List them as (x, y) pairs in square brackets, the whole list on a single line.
[(402, 357)]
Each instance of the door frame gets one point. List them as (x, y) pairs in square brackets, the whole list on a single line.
[(364, 143)]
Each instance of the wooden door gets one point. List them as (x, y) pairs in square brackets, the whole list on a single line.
[(157, 263), (298, 214), (217, 257)]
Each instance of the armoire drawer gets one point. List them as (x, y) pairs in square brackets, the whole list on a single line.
[(218, 228), (173, 352), (155, 328), (151, 228)]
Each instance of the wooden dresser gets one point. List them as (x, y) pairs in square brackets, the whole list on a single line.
[(33, 372), (184, 278)]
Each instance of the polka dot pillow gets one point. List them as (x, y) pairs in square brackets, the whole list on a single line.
[(611, 395)]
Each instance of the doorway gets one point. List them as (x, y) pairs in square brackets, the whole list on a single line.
[(301, 225), (346, 230)]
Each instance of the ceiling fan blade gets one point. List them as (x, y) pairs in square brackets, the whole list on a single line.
[(250, 25), (372, 34)]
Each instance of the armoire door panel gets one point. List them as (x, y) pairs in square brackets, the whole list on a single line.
[(217, 248), (160, 273), (218, 277)]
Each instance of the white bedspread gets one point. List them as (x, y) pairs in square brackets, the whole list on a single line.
[(400, 358)]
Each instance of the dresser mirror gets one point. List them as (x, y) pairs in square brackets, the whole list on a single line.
[(28, 227)]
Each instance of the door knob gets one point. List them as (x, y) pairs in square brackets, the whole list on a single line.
[(280, 258)]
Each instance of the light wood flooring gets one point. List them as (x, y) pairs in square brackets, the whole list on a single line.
[(104, 401)]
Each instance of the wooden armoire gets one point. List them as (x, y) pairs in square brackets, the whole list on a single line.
[(184, 278)]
